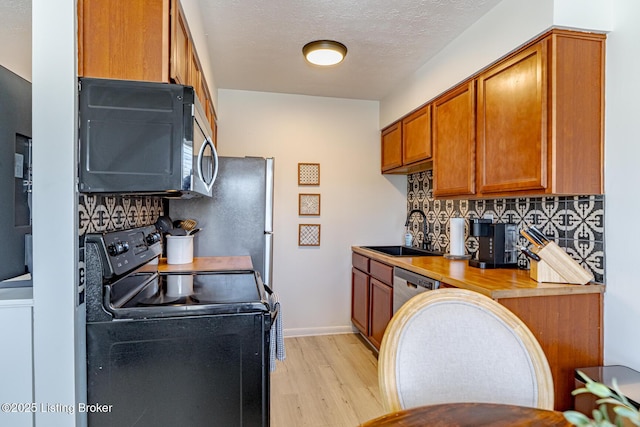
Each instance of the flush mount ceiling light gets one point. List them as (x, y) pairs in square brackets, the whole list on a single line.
[(324, 52)]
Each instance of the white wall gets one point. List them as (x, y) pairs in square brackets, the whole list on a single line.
[(622, 151), (505, 27), (358, 204), (508, 25), (55, 212)]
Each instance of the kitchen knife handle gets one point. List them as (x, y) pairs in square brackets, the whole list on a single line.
[(530, 254), (533, 240), (533, 230)]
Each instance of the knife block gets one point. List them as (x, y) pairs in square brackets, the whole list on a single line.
[(556, 266)]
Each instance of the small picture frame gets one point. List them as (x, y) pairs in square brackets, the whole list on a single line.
[(308, 204), (308, 173), (309, 235)]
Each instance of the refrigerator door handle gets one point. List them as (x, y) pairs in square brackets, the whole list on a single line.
[(268, 258), (269, 184)]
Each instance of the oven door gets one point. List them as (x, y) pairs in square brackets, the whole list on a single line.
[(192, 371)]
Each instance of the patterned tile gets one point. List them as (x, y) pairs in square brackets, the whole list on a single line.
[(576, 223), (97, 213)]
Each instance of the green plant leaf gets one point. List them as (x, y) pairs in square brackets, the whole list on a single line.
[(579, 391), (629, 413), (577, 418), (599, 389)]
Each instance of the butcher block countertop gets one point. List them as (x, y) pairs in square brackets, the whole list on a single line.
[(494, 283), (215, 263)]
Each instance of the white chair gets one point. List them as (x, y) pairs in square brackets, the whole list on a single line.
[(453, 345)]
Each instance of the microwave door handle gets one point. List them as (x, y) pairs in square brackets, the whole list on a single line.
[(208, 185)]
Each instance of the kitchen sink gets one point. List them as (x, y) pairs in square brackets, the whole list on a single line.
[(402, 251)]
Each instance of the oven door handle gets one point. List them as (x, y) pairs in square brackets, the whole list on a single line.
[(274, 304)]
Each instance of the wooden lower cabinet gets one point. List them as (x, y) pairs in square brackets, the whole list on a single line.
[(381, 303), (568, 327), (360, 300), (371, 297), (569, 330)]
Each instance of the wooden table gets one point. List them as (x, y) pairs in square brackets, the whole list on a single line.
[(470, 415)]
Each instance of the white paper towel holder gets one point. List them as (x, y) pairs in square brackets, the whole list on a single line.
[(461, 236)]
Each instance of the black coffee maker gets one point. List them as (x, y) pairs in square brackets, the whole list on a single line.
[(497, 244)]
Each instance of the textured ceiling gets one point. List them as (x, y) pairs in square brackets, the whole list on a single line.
[(15, 36), (257, 44)]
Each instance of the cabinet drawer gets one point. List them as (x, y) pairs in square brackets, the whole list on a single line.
[(382, 272), (360, 262)]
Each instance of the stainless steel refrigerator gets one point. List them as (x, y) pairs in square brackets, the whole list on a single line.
[(238, 218)]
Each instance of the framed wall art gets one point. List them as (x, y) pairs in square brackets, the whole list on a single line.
[(309, 235), (308, 173), (308, 204)]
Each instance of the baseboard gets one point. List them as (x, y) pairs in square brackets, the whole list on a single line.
[(330, 330)]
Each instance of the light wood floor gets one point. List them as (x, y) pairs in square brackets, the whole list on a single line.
[(325, 381)]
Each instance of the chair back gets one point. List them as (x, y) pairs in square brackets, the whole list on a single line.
[(454, 345)]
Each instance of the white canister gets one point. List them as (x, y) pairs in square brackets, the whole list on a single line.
[(456, 236), (179, 249)]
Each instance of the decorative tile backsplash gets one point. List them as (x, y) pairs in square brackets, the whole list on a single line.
[(97, 213), (576, 223)]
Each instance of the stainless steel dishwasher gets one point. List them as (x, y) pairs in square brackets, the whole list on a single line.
[(407, 284)]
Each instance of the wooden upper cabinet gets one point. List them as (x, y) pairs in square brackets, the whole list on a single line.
[(577, 62), (195, 76), (540, 118), (454, 130), (146, 40), (121, 39), (512, 123), (406, 144), (416, 136), (391, 141), (180, 46)]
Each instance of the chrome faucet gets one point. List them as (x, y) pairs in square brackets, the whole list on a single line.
[(425, 245)]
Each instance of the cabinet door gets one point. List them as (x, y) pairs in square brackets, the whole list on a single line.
[(121, 39), (360, 300), (16, 363), (416, 136), (381, 296), (454, 142), (195, 75), (180, 48), (512, 123), (391, 140)]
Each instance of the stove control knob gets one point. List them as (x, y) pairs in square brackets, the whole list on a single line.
[(118, 248), (153, 238)]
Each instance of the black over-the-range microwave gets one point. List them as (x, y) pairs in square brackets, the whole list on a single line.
[(143, 138)]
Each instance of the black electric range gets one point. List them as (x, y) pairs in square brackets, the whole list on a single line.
[(173, 348)]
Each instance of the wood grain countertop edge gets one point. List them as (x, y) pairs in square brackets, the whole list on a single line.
[(494, 283), (215, 263)]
